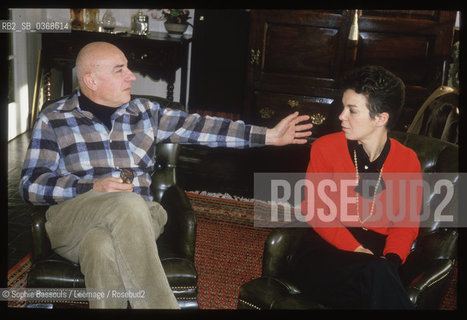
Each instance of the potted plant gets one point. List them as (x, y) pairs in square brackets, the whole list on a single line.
[(176, 21)]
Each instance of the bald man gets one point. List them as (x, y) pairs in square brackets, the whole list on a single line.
[(78, 149)]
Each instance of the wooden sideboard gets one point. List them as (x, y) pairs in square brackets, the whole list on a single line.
[(155, 55), (297, 58)]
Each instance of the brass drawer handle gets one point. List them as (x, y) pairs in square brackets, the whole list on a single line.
[(266, 113), (254, 56), (293, 103), (317, 118)]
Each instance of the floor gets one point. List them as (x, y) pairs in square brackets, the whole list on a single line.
[(219, 170), (19, 237)]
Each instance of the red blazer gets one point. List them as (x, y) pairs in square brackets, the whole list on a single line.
[(329, 157)]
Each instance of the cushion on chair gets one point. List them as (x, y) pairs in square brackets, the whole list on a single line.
[(55, 272)]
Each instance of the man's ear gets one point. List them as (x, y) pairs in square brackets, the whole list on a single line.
[(382, 118), (90, 82)]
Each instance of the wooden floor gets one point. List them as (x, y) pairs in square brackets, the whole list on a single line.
[(218, 170), (19, 237)]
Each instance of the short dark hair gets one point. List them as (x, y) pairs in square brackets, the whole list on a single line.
[(384, 90)]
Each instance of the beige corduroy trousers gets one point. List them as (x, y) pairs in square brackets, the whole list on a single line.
[(113, 238)]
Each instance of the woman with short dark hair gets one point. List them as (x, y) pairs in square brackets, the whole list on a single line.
[(366, 232)]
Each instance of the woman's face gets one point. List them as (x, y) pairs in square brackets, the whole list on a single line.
[(355, 117)]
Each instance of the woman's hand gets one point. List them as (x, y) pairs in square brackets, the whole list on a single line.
[(363, 250)]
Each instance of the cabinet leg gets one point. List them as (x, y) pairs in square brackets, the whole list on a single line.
[(47, 86), (170, 91)]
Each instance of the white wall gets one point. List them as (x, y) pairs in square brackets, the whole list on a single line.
[(27, 45), (18, 110)]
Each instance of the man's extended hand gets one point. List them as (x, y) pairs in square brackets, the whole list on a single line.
[(288, 131), (111, 184)]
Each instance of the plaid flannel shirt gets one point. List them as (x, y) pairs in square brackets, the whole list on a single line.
[(70, 149)]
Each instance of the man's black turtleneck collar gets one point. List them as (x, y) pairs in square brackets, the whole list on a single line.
[(101, 112)]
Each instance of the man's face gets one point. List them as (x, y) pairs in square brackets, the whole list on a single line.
[(113, 78)]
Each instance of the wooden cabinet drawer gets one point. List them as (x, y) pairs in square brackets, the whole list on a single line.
[(294, 50), (150, 57), (270, 108), (306, 52), (61, 48)]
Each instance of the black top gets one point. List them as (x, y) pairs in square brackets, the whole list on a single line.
[(101, 112), (368, 170)]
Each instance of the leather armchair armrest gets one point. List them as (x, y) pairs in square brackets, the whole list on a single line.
[(178, 238), (260, 293), (40, 241), (279, 250), (426, 286), (427, 269), (271, 293), (164, 175), (440, 245)]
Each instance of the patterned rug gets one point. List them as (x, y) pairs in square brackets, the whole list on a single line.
[(17, 277), (228, 251)]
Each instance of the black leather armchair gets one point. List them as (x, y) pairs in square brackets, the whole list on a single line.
[(425, 272), (176, 244)]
